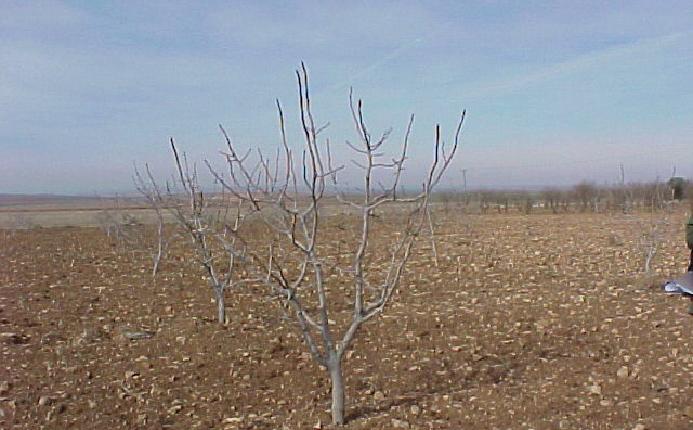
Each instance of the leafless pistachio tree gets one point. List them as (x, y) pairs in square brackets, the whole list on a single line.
[(209, 221), (624, 192), (117, 223), (151, 192), (653, 236), (294, 264)]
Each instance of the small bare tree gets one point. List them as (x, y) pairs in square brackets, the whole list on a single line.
[(152, 194), (654, 235), (586, 194), (551, 197), (294, 261), (207, 221), (624, 193), (117, 223), (650, 242)]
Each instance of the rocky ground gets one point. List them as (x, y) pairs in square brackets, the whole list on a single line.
[(528, 321)]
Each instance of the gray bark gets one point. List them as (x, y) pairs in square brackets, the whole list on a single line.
[(221, 310), (334, 366), (160, 246)]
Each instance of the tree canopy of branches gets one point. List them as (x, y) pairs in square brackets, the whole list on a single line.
[(289, 196)]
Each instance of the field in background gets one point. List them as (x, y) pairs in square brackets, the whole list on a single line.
[(529, 321), (27, 211)]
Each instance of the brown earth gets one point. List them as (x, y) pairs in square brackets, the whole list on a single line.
[(538, 321)]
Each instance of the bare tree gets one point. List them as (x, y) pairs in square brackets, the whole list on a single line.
[(652, 238), (117, 223), (586, 193), (551, 198), (650, 242), (431, 230), (151, 192), (625, 193), (294, 261), (207, 221)]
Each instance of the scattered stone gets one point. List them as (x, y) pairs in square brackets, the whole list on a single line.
[(51, 337), (45, 401), (89, 335), (5, 336), (13, 338), (400, 424), (233, 420), (379, 396), (137, 334), (415, 409), (5, 387), (622, 372), (639, 427)]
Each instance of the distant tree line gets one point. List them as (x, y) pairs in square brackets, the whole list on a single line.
[(583, 197)]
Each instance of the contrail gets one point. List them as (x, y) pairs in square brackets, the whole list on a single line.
[(395, 53), (588, 60)]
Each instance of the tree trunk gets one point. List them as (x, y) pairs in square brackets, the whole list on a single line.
[(335, 368), (155, 268), (160, 250), (157, 259), (221, 310)]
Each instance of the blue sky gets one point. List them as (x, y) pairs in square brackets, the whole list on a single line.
[(556, 92)]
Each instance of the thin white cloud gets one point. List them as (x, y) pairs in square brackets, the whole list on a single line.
[(590, 60), (373, 67), (339, 28)]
